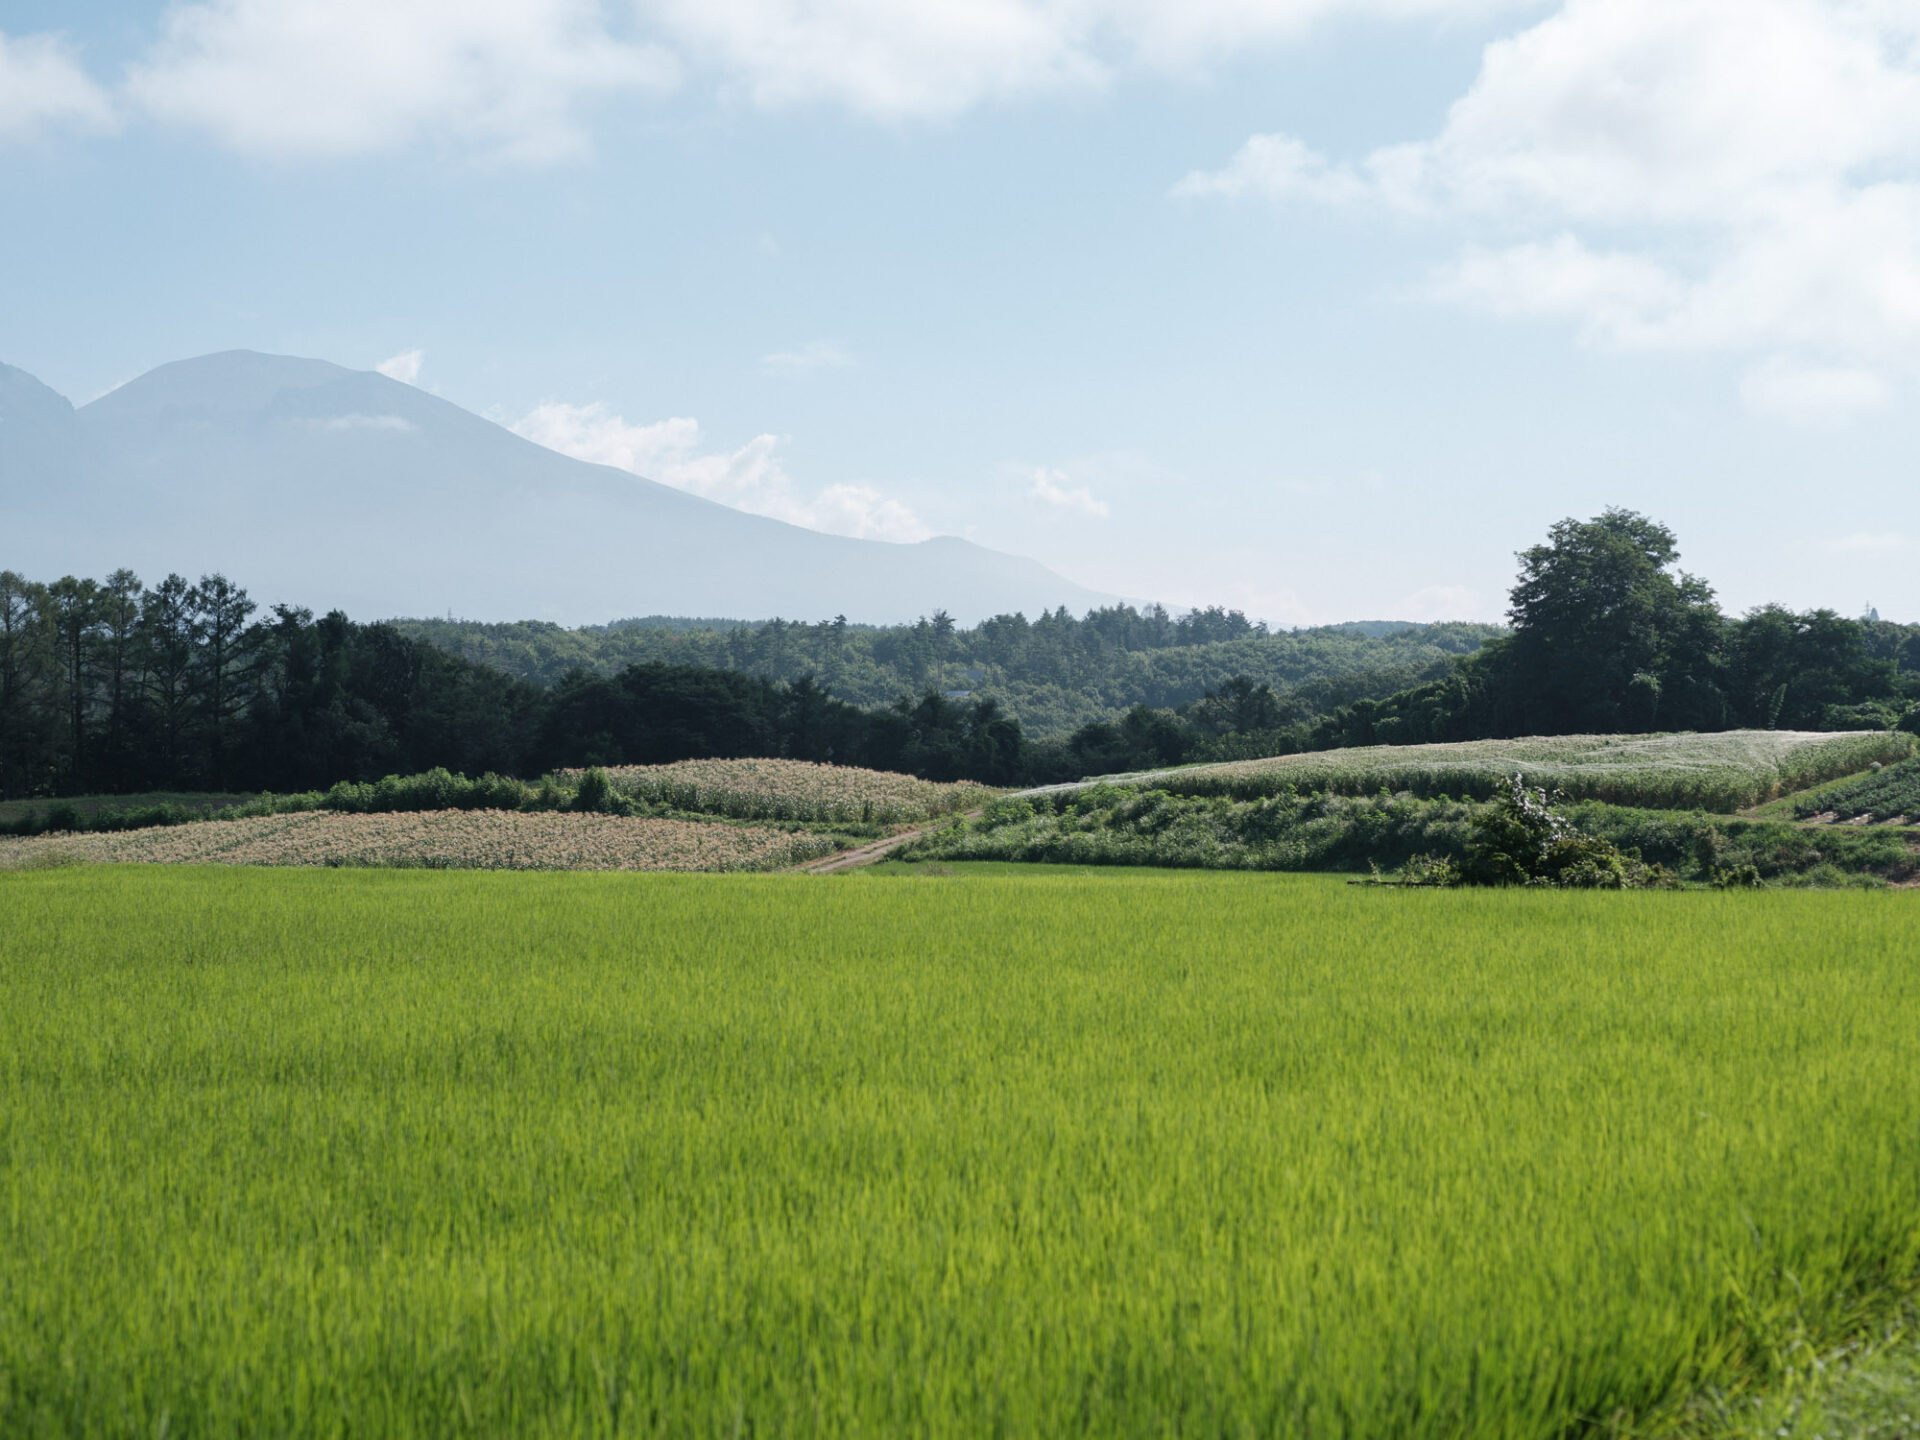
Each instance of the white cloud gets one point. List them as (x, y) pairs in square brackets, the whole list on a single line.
[(898, 59), (1733, 175), (751, 478), (404, 367), (42, 86), (1278, 167), (806, 359), (1054, 487), (1615, 298), (1808, 394), (505, 78)]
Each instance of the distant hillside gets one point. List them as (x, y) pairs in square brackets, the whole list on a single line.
[(333, 488), (1054, 673)]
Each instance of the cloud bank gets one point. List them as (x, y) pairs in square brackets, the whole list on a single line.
[(519, 79), (1705, 175), (315, 78), (751, 478)]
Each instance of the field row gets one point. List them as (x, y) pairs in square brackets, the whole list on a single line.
[(444, 839)]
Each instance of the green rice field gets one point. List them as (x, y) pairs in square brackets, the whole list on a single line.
[(372, 1153)]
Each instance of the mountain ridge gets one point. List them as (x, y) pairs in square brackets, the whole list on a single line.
[(317, 485)]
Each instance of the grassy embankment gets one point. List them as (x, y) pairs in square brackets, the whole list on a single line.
[(1666, 797), (318, 1153)]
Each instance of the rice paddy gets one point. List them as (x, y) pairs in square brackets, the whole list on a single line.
[(328, 1152), (1726, 771)]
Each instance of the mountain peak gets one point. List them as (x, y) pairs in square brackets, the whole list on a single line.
[(226, 383)]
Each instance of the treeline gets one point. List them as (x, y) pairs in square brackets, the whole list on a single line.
[(1054, 673), (113, 687), (1610, 636), (119, 688)]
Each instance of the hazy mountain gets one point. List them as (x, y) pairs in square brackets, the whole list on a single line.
[(321, 486)]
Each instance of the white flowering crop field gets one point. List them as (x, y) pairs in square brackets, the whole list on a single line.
[(1726, 771), (434, 839), (792, 790)]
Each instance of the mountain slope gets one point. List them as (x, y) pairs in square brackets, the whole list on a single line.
[(327, 487)]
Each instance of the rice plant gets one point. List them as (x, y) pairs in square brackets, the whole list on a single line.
[(310, 1152)]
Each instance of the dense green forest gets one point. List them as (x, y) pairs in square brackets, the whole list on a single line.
[(115, 687), (1053, 674)]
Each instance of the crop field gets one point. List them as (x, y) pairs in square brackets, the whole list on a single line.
[(792, 790), (1883, 797), (329, 1152), (433, 839), (1725, 772)]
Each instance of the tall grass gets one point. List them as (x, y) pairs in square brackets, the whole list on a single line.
[(321, 1153)]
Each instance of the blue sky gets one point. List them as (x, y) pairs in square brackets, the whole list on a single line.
[(1320, 309)]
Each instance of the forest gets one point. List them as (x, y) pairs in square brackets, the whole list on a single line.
[(1054, 673), (113, 686), (117, 688)]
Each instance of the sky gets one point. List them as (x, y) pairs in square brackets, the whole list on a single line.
[(1317, 308)]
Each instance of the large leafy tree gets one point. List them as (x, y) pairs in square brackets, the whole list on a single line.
[(1610, 635)]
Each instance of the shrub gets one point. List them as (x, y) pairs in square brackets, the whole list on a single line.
[(1521, 840)]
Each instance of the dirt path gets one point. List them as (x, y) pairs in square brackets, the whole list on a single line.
[(877, 850)]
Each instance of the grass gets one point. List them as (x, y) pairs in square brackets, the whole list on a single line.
[(388, 1153), (1724, 772), (1127, 826), (1868, 1390)]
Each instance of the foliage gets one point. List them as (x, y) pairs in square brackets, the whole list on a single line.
[(184, 695), (1520, 839), (1054, 674), (437, 840), (1120, 825), (1607, 638), (383, 1153)]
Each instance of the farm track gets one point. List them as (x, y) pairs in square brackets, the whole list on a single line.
[(877, 850)]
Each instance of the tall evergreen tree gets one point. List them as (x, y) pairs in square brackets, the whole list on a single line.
[(167, 672), (220, 611)]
